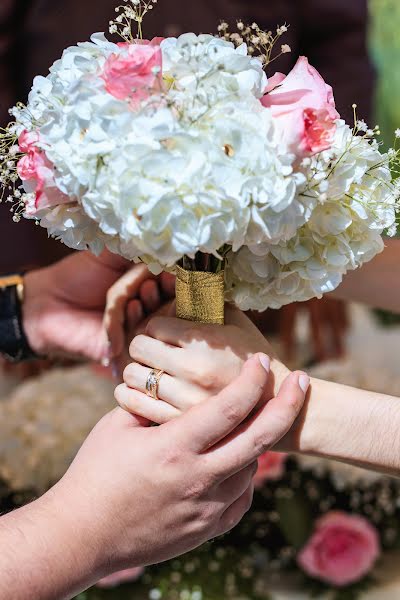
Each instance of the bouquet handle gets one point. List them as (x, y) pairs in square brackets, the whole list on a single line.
[(200, 296)]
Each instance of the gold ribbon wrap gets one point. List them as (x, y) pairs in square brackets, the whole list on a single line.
[(200, 296)]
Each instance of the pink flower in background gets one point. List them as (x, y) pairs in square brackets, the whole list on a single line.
[(271, 467), (342, 550), (121, 577), (37, 173), (303, 108), (136, 72)]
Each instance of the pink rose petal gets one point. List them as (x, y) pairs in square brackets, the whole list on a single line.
[(342, 550)]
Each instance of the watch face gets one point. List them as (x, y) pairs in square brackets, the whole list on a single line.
[(10, 280)]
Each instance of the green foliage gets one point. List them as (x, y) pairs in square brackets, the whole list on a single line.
[(296, 519), (385, 47)]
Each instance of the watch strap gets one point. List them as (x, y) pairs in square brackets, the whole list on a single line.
[(13, 341)]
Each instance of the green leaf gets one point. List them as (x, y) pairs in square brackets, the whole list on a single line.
[(295, 519)]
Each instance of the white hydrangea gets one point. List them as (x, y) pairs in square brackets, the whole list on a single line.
[(342, 232), (197, 168), (69, 224), (194, 171)]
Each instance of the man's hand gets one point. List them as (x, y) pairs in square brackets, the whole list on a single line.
[(138, 495), (64, 303), (198, 359)]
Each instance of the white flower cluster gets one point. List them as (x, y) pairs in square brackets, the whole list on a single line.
[(196, 168), (355, 202)]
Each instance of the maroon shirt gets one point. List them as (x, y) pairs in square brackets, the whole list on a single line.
[(33, 33)]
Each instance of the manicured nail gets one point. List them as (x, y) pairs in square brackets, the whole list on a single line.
[(304, 382), (265, 361), (114, 369), (106, 360)]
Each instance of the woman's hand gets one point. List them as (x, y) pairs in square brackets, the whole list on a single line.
[(197, 360)]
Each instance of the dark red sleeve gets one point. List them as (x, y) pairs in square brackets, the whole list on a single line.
[(334, 37), (8, 79)]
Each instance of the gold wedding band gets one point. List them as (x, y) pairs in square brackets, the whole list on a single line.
[(153, 382)]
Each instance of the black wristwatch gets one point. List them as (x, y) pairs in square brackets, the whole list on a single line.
[(13, 342)]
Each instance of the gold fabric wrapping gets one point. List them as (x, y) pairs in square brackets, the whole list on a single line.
[(200, 296)]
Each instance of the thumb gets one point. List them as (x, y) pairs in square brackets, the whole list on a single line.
[(121, 418), (118, 296)]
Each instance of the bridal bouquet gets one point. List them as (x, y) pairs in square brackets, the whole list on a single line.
[(183, 154)]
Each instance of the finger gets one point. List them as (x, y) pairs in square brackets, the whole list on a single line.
[(136, 403), (235, 513), (176, 392), (157, 355), (209, 422), (167, 284), (150, 296), (121, 419), (175, 331), (263, 430), (134, 316), (165, 309), (234, 487), (126, 288)]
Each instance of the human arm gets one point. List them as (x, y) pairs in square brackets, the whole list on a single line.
[(137, 495), (336, 422), (377, 283)]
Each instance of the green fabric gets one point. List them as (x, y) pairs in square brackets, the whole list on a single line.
[(385, 48)]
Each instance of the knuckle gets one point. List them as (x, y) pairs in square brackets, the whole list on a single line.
[(262, 443), (153, 326), (232, 412), (172, 456), (131, 373), (120, 394), (193, 491), (204, 373), (119, 390), (137, 345)]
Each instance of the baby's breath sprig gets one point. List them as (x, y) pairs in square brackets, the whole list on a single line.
[(128, 23), (11, 191), (260, 43)]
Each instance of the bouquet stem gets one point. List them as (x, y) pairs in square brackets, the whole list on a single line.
[(200, 295)]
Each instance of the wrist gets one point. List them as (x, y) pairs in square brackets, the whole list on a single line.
[(54, 548), (76, 530), (34, 307), (311, 430)]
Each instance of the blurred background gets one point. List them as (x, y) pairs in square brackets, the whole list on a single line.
[(355, 44)]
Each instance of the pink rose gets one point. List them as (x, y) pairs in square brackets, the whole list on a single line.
[(121, 577), (303, 108), (136, 72), (271, 466), (37, 173), (342, 550)]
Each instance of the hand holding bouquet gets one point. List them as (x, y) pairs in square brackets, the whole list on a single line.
[(183, 154)]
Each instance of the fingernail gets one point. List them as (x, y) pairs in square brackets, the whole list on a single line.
[(265, 361), (105, 361), (114, 369), (304, 382)]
